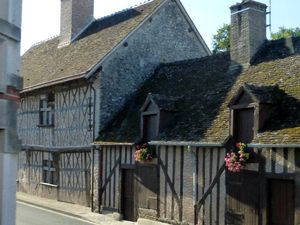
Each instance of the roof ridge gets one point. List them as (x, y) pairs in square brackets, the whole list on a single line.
[(200, 59), (98, 19), (44, 41), (124, 10)]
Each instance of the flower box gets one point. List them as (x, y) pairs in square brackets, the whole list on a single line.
[(236, 159), (143, 153)]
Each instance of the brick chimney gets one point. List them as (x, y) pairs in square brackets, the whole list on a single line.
[(75, 16), (248, 30)]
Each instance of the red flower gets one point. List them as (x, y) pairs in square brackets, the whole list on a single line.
[(143, 153), (238, 144)]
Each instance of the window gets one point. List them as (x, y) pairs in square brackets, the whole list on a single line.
[(50, 173), (150, 126), (243, 109), (243, 125), (47, 110), (250, 109)]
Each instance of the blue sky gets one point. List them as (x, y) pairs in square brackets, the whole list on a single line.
[(40, 18)]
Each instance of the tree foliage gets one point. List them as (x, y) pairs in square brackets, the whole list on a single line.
[(285, 33), (221, 40)]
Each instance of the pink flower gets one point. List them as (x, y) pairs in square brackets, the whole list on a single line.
[(143, 153), (235, 161)]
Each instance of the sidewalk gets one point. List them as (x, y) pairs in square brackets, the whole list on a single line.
[(79, 211), (74, 210)]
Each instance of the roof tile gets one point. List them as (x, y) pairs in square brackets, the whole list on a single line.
[(206, 86), (46, 62)]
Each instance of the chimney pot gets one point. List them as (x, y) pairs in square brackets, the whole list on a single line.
[(248, 30), (75, 16)]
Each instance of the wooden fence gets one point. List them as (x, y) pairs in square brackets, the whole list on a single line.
[(191, 185), (184, 174)]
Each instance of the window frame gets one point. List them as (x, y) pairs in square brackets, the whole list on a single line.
[(46, 110), (144, 126), (50, 170), (162, 118), (235, 108)]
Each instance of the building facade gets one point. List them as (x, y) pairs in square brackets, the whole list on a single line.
[(76, 83), (250, 95)]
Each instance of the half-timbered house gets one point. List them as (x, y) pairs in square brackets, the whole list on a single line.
[(192, 112), (75, 83)]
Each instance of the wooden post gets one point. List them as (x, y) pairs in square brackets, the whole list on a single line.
[(196, 212), (297, 185)]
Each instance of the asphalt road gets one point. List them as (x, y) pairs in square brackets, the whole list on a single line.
[(32, 215)]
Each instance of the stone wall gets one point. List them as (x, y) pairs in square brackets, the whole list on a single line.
[(164, 37)]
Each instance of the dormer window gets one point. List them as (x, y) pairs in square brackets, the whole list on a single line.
[(243, 124), (46, 114), (156, 113), (150, 126), (250, 109)]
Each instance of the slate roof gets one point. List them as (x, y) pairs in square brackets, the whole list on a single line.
[(45, 62), (199, 86), (206, 86)]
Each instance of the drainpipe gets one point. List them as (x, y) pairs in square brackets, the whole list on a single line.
[(94, 107), (93, 93), (92, 179)]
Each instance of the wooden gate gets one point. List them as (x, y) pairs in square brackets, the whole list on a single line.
[(281, 202), (128, 196)]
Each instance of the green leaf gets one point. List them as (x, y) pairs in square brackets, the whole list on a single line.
[(221, 40)]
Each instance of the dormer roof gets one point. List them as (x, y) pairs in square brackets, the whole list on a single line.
[(162, 102), (259, 94)]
